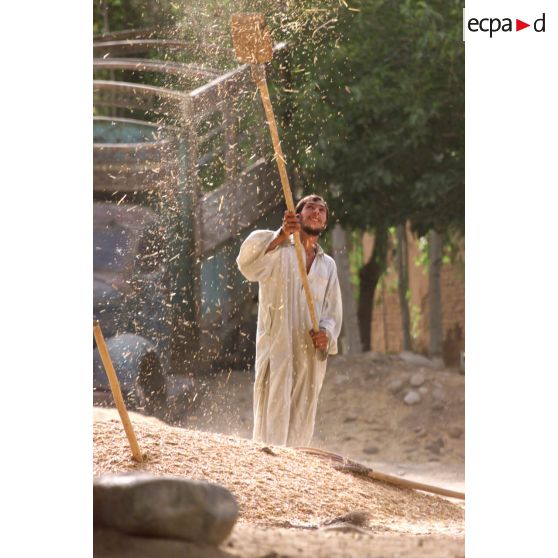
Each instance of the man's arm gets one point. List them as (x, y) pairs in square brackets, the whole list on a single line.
[(253, 260), (257, 258), (332, 311)]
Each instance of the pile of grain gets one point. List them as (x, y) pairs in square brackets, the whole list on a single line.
[(275, 488)]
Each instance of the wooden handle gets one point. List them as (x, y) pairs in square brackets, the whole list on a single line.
[(391, 479), (344, 464), (116, 393), (258, 73)]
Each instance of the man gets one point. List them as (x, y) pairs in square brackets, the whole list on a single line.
[(290, 358)]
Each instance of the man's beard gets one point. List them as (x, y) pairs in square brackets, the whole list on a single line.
[(310, 231)]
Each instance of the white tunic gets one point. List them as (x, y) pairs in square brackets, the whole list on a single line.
[(289, 370)]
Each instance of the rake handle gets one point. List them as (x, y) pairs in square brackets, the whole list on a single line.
[(345, 464), (116, 392), (258, 73)]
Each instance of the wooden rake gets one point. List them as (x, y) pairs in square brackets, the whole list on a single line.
[(116, 392), (252, 44), (346, 465)]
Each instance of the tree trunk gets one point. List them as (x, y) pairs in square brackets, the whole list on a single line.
[(369, 275), (350, 335), (435, 294), (384, 315), (403, 285)]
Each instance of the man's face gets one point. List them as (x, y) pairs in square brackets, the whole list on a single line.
[(313, 217)]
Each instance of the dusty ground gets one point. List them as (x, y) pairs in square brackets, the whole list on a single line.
[(361, 415)]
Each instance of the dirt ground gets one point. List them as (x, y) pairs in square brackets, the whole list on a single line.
[(361, 415)]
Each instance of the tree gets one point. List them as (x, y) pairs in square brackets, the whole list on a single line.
[(403, 285), (380, 114), (434, 294), (123, 15)]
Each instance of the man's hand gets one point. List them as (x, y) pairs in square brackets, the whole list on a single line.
[(320, 339), (291, 223)]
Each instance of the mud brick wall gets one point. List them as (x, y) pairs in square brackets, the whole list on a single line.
[(387, 334)]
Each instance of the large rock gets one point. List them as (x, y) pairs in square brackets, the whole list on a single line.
[(114, 544), (168, 507)]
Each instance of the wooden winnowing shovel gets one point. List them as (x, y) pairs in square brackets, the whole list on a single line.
[(344, 464), (116, 393), (252, 44)]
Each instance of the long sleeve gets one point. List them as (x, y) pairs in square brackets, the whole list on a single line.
[(332, 311), (252, 260)]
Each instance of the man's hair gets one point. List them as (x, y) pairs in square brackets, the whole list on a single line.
[(311, 198)]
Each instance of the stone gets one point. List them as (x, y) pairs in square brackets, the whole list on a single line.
[(394, 386), (423, 390), (439, 394), (417, 379), (108, 543), (164, 507), (412, 398)]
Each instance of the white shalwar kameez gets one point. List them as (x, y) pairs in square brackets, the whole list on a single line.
[(289, 370)]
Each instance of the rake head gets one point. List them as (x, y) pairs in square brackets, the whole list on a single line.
[(251, 38)]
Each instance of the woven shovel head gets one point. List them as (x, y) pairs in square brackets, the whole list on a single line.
[(251, 38)]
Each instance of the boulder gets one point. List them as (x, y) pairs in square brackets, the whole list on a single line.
[(108, 543), (166, 507)]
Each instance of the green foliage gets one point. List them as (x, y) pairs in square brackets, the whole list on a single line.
[(423, 259), (123, 15), (380, 114)]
